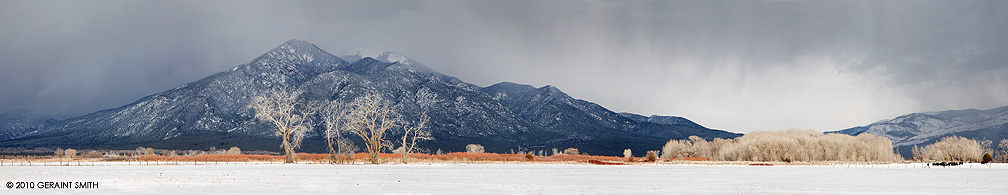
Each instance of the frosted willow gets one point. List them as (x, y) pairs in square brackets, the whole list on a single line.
[(796, 145)]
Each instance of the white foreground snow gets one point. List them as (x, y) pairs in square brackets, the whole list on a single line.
[(119, 178)]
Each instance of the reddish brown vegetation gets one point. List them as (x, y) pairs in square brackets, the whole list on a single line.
[(691, 159), (760, 164), (212, 158), (389, 157), (597, 162)]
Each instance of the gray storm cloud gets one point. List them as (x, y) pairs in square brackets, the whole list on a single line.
[(735, 65)]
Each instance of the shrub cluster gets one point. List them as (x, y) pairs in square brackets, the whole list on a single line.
[(953, 148), (788, 145)]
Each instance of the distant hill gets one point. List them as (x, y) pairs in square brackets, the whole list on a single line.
[(928, 127)]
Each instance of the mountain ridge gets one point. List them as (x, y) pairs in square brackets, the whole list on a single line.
[(919, 129), (211, 112)]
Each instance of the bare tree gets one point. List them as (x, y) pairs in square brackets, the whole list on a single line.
[(291, 118), (370, 117), (333, 116), (798, 145), (1002, 154), (413, 133), (676, 149), (70, 153), (952, 148), (628, 155), (346, 149), (58, 152)]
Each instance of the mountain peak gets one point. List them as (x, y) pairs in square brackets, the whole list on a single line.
[(385, 56), (360, 53), (213, 111), (298, 47), (297, 43), (292, 62), (510, 87), (297, 52)]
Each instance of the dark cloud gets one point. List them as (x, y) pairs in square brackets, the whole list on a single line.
[(737, 65)]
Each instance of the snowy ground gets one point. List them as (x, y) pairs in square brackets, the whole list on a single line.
[(120, 178)]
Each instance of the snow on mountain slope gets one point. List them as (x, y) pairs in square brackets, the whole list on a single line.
[(212, 111), (670, 120), (927, 127), (385, 56), (21, 122)]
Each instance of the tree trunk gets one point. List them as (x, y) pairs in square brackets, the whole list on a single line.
[(373, 151), (288, 151), (374, 158), (405, 157), (332, 152)]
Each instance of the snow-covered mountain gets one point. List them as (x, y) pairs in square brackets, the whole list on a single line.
[(21, 122), (211, 111), (669, 120), (385, 56), (925, 128)]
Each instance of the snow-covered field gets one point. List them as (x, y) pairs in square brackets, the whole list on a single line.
[(119, 178)]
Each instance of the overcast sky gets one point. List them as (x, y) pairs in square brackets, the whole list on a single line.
[(736, 65)]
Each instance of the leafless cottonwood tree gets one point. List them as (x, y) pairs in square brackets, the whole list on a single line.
[(345, 149), (333, 116), (1002, 154), (953, 148), (70, 153), (370, 117), (413, 133), (798, 145), (291, 118)]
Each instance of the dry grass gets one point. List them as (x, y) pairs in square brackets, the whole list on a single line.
[(692, 159), (386, 157), (597, 162), (362, 158), (211, 158)]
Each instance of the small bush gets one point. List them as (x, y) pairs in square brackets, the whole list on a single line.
[(529, 157), (234, 150), (92, 154), (787, 160), (628, 155), (571, 151), (70, 153), (474, 148), (987, 158), (652, 156)]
